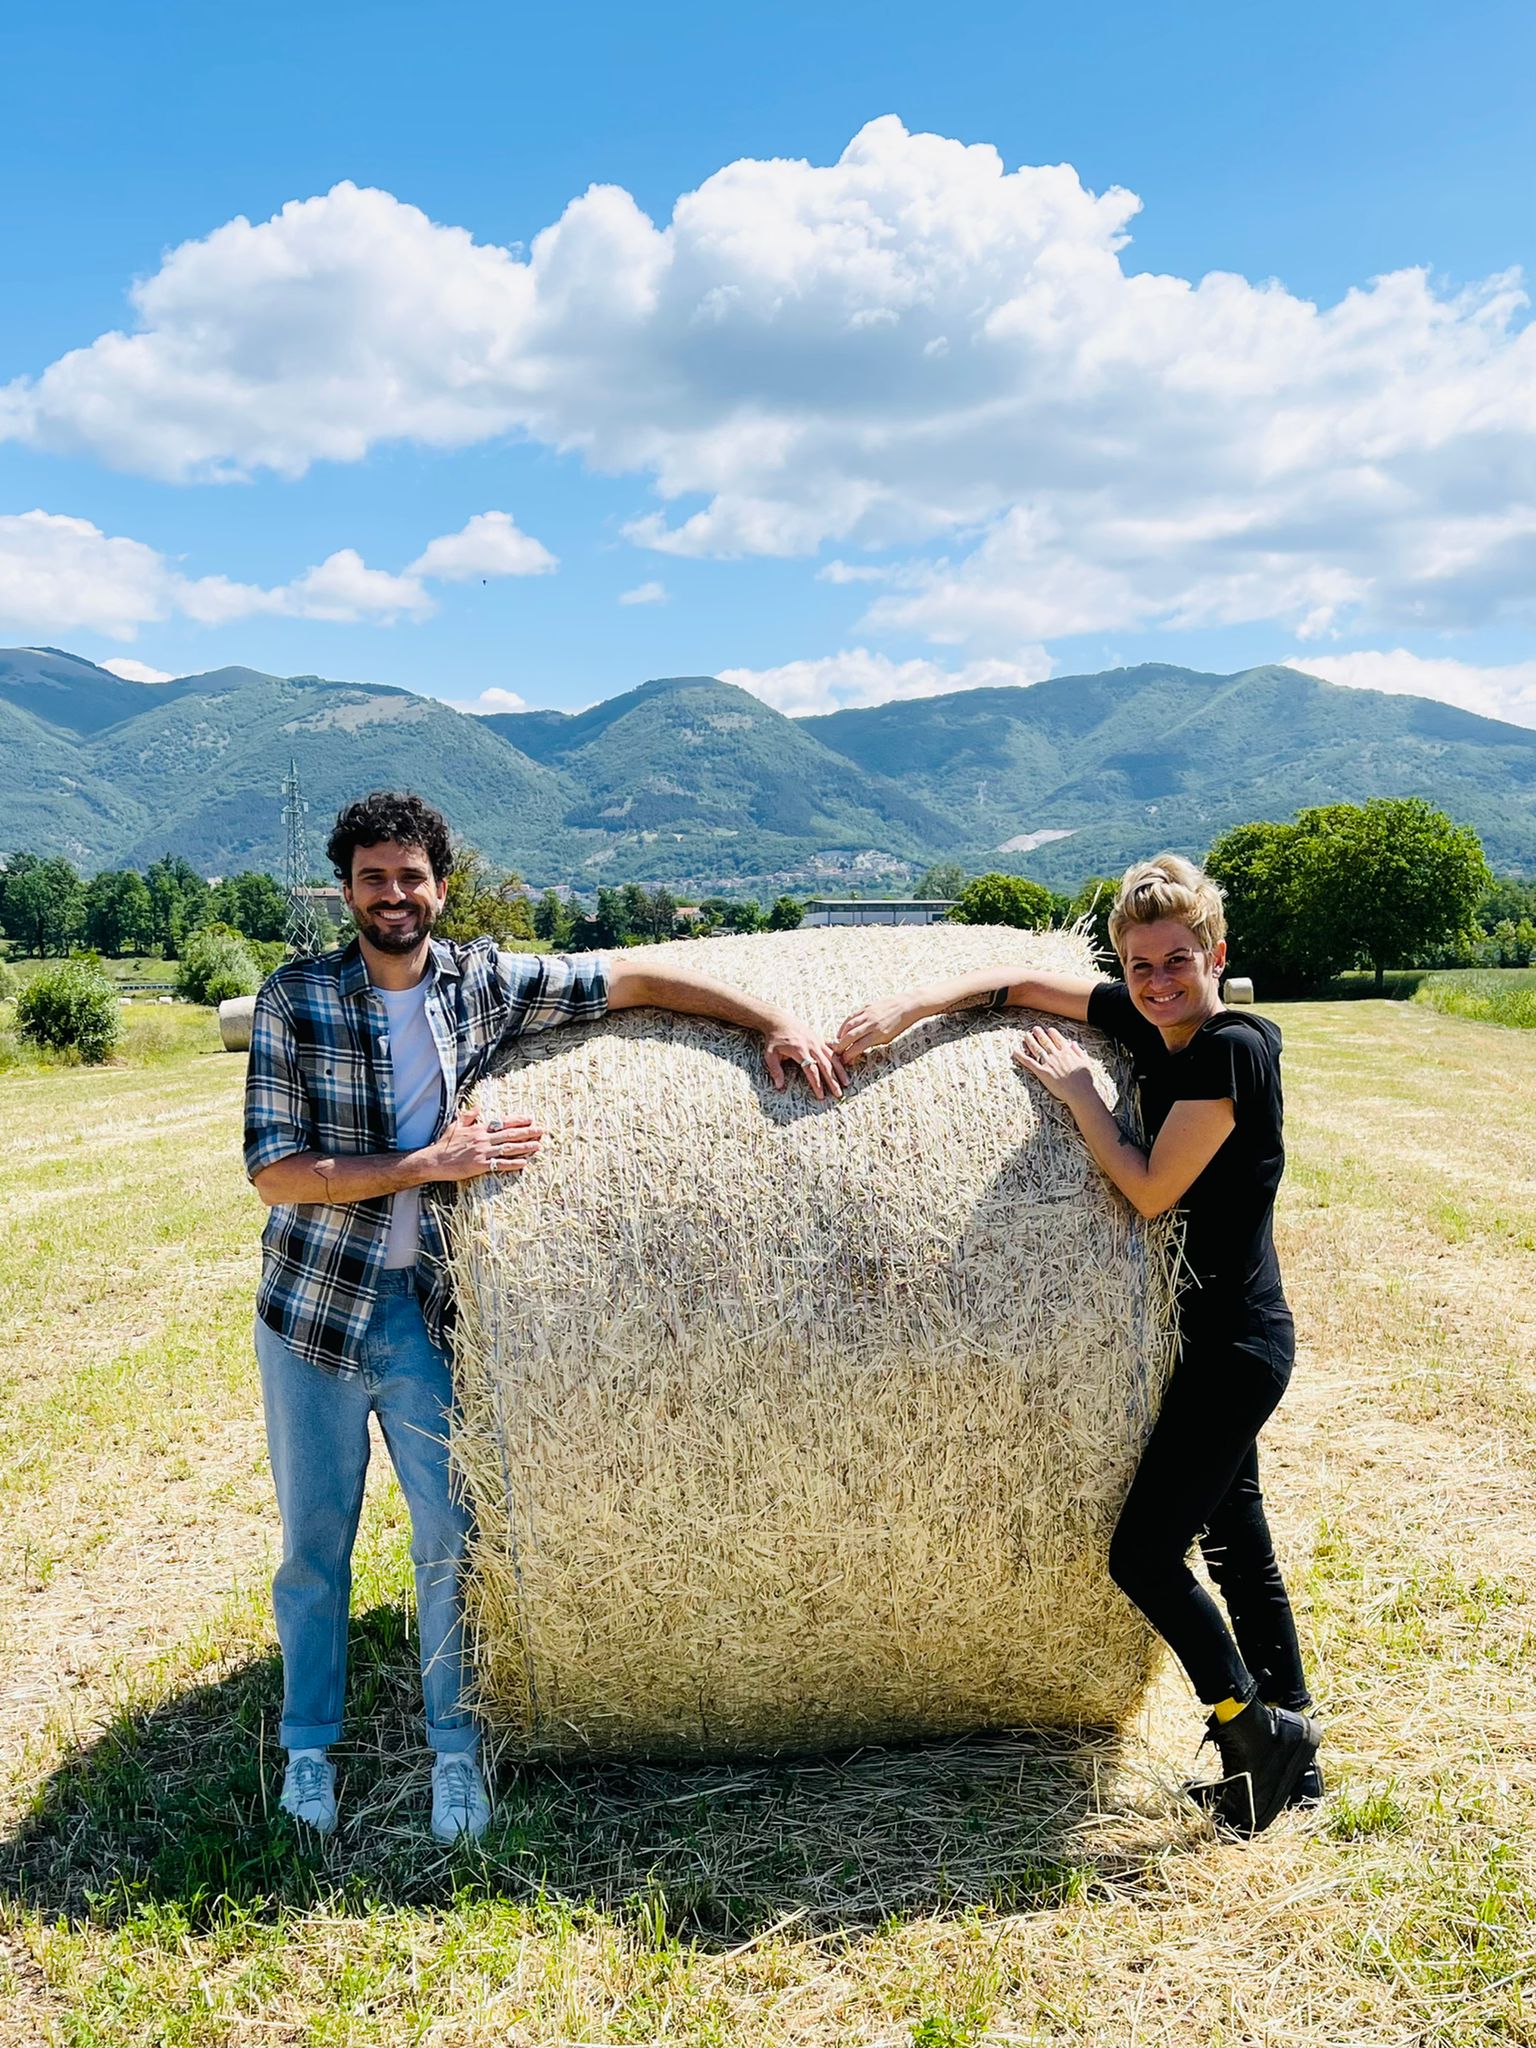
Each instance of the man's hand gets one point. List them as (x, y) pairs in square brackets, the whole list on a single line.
[(1059, 1066), (873, 1026), (472, 1146), (815, 1056)]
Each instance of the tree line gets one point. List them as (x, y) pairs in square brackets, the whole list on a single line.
[(1391, 882), (47, 908)]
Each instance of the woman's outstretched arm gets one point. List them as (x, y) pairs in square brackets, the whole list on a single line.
[(1059, 995)]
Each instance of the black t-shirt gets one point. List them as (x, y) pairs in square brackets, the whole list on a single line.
[(1229, 1210)]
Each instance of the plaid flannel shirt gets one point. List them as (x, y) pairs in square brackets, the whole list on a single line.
[(320, 1080)]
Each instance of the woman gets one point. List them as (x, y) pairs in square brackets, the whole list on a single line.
[(1208, 1080)]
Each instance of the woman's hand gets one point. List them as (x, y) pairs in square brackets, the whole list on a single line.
[(875, 1025), (1057, 1064)]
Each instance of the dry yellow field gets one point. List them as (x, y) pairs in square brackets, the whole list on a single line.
[(1018, 1891)]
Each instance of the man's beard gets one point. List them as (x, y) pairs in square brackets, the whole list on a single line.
[(392, 939)]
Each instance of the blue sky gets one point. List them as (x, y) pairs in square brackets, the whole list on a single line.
[(878, 414)]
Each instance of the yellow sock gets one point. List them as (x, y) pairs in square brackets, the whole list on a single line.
[(1228, 1710)]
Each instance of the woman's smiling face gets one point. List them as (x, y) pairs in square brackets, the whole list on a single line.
[(1174, 982)]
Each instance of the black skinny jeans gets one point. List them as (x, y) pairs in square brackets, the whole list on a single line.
[(1199, 1477)]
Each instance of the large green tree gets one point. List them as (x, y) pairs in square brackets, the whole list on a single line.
[(253, 903), (746, 916), (1380, 882), (1402, 876), (485, 903), (1005, 899), (1283, 923), (16, 864), (608, 924), (181, 900), (45, 906), (553, 920), (119, 915)]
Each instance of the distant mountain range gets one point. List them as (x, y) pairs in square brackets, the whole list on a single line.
[(694, 782)]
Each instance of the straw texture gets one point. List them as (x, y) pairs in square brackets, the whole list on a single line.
[(786, 1424)]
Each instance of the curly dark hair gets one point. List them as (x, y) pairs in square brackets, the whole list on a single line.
[(390, 814)]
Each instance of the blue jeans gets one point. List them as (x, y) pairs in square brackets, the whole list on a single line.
[(317, 1437)]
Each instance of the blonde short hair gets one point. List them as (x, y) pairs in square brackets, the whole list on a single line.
[(1169, 886)]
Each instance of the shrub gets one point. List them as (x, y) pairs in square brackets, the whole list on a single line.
[(10, 981), (217, 963), (71, 1008)]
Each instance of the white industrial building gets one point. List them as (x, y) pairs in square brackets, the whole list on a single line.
[(878, 909)]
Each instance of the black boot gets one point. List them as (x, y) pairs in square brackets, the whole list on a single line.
[(1308, 1791), (1265, 1753)]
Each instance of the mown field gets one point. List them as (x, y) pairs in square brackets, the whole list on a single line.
[(1040, 1891)]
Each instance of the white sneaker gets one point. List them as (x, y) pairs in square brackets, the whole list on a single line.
[(460, 1803), (309, 1790)]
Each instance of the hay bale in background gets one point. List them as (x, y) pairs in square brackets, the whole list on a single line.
[(237, 1015), (786, 1424)]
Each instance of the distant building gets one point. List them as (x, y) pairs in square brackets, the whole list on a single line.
[(878, 909), (326, 897)]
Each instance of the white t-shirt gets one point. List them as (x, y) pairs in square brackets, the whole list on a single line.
[(418, 1079)]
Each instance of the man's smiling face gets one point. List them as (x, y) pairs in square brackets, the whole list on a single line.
[(393, 895)]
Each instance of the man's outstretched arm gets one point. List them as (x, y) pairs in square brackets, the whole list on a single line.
[(632, 984)]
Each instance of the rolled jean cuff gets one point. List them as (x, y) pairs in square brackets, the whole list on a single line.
[(456, 1741), (315, 1735)]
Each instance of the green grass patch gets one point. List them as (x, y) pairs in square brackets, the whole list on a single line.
[(1491, 995), (154, 1034)]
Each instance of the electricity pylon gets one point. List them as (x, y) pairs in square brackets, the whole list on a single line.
[(301, 928)]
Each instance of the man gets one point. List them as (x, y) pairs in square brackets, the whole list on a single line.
[(360, 1062)]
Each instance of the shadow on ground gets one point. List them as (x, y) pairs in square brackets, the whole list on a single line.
[(177, 1804)]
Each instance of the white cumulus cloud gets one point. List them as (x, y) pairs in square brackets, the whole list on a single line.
[(60, 575), (841, 682), (497, 700), (912, 348), (644, 593), (491, 544), (1500, 690)]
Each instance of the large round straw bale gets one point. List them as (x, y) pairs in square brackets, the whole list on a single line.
[(790, 1424)]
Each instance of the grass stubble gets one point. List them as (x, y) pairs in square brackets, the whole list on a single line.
[(1009, 1890)]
